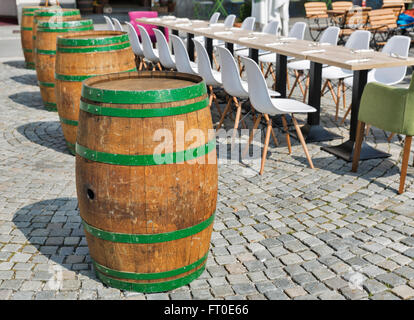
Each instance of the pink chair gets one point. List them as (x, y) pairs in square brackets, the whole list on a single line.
[(145, 14)]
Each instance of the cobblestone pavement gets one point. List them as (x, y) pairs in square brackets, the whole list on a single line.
[(293, 233)]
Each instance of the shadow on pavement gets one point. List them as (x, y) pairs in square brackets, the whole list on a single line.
[(19, 64), (28, 79), (54, 227), (45, 133), (28, 99)]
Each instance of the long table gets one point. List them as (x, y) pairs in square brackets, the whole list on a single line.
[(339, 56)]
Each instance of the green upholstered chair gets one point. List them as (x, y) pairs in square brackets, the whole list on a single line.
[(391, 109)]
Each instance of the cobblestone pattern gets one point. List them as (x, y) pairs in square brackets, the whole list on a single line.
[(293, 233)]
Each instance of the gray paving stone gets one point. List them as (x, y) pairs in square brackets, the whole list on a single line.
[(390, 279)]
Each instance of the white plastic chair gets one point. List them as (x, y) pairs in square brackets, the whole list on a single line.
[(397, 46), (358, 40), (182, 60), (228, 23), (270, 28), (265, 105), (213, 19), (117, 24), (150, 53), (212, 78), (167, 60), (328, 37), (136, 45), (297, 31), (109, 23)]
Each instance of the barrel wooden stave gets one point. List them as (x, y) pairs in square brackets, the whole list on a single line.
[(46, 56), (26, 31), (146, 199), (70, 65)]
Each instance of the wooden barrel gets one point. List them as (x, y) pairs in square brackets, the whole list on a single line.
[(81, 56), (46, 37), (52, 14), (147, 211), (26, 31)]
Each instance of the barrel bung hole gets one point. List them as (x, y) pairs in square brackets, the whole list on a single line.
[(90, 194)]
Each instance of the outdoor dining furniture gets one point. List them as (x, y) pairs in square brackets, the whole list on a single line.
[(117, 24), (109, 24), (359, 40), (329, 37), (267, 106), (397, 46), (150, 53), (136, 47), (317, 18), (339, 56), (167, 60), (390, 109)]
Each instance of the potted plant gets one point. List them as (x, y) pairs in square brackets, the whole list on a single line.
[(245, 11)]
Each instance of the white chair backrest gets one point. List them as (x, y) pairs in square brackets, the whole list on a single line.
[(330, 35), (230, 73), (271, 27), (203, 63), (147, 44), (358, 39), (248, 23), (214, 17), (117, 24), (182, 61), (133, 38), (298, 30), (164, 53), (229, 21), (258, 92), (399, 45), (109, 23)]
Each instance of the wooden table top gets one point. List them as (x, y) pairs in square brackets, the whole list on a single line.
[(338, 56)]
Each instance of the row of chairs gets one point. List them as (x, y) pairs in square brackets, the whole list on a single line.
[(263, 100)]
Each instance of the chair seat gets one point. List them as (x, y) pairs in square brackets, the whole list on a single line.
[(299, 65), (271, 58), (290, 106), (216, 81), (272, 93), (335, 73), (371, 78)]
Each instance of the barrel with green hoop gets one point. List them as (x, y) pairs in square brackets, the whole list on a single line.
[(26, 32), (45, 53), (82, 55), (146, 178)]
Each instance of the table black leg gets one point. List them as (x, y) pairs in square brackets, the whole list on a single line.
[(230, 47), (190, 46), (162, 29), (209, 49), (312, 130), (281, 73), (254, 55), (175, 32), (346, 150)]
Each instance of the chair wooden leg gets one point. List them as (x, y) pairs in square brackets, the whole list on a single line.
[(226, 110), (268, 120), (332, 91), (346, 114), (297, 75), (252, 134), (272, 72), (262, 67), (268, 70), (302, 141), (238, 114), (210, 98), (213, 97), (287, 80), (217, 105), (215, 62), (266, 144), (358, 145), (343, 94), (338, 98), (324, 87), (406, 155), (306, 88), (390, 137), (285, 127), (367, 129), (159, 66)]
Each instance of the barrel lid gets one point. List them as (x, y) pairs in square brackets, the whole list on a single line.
[(143, 87), (92, 38), (56, 11)]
